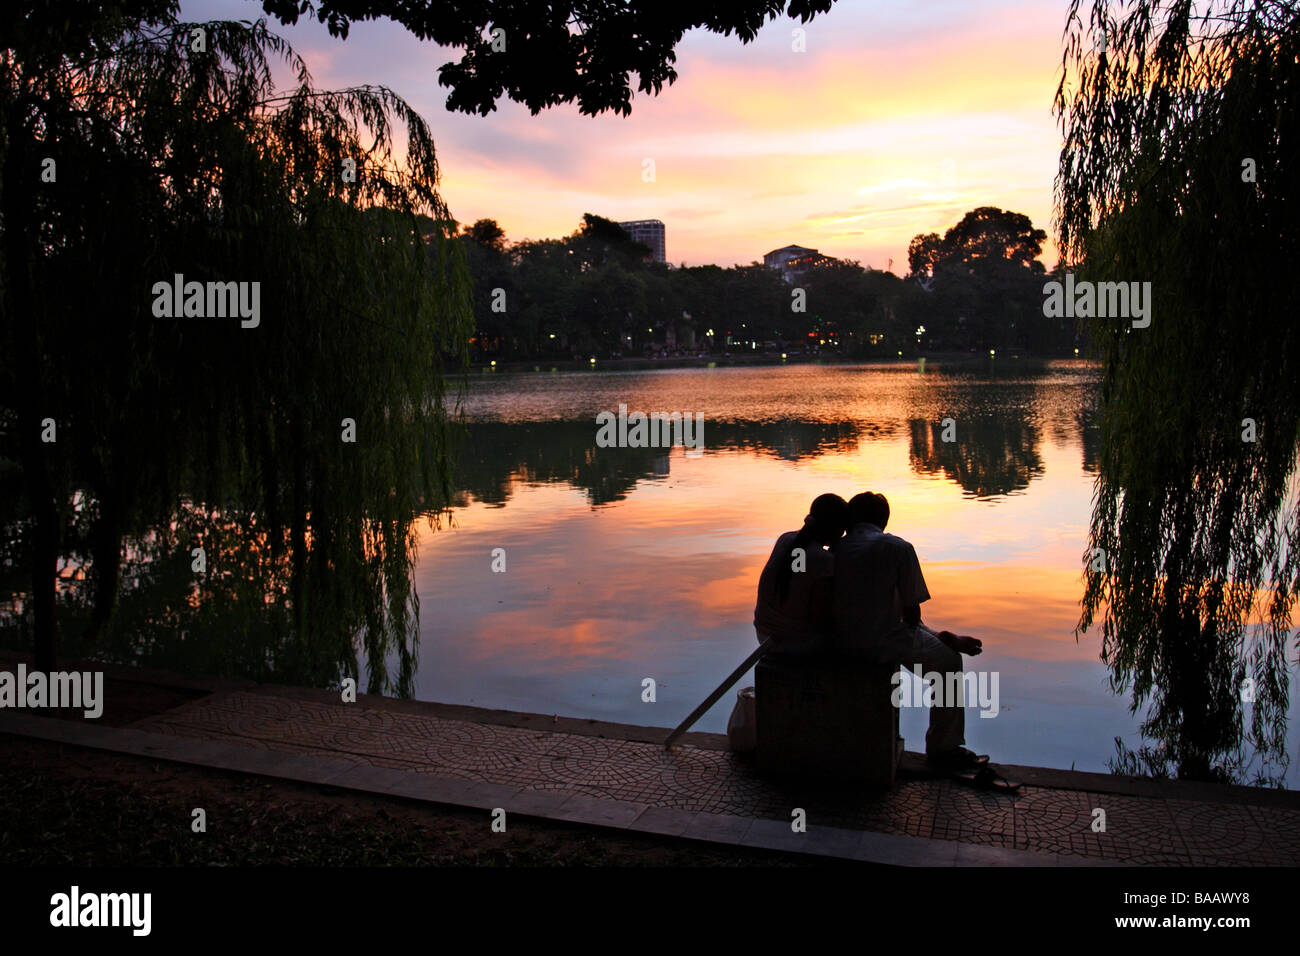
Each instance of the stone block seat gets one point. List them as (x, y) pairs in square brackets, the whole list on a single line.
[(826, 717)]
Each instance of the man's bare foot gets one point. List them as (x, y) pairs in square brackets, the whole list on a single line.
[(962, 643)]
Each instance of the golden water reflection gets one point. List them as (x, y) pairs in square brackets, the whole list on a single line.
[(627, 563)]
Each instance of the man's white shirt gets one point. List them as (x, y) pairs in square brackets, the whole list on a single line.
[(876, 575)]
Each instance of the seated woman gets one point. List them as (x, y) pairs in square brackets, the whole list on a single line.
[(794, 605)]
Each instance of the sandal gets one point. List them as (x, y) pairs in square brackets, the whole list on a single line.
[(986, 778)]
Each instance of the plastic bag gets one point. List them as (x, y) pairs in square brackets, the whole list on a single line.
[(740, 728)]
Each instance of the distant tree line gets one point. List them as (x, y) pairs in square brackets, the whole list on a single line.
[(598, 293)]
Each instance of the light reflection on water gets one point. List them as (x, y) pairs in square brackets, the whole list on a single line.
[(630, 563)]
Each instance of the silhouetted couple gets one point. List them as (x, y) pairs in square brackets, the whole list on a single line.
[(827, 593)]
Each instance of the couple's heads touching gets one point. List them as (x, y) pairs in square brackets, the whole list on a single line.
[(831, 516), (828, 519), (841, 575)]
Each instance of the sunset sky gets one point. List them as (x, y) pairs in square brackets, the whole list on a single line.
[(900, 116)]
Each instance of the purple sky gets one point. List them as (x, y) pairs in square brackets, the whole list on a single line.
[(896, 119)]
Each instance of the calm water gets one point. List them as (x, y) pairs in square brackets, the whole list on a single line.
[(625, 563)]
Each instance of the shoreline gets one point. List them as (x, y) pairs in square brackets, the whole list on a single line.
[(738, 359)]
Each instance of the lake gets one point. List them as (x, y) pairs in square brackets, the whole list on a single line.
[(628, 563)]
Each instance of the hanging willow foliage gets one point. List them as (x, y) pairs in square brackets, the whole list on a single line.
[(1180, 167), (176, 153)]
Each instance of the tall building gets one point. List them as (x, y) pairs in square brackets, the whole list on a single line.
[(649, 232)]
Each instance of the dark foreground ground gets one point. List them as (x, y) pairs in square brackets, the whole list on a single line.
[(69, 806)]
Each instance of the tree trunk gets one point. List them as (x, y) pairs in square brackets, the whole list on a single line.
[(45, 541), (23, 318), (44, 575)]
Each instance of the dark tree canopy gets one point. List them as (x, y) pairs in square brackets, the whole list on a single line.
[(986, 233), (983, 283), (992, 233), (553, 53), (593, 53), (488, 234), (924, 253), (602, 229)]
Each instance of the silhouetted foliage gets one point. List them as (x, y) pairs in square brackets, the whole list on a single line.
[(1199, 524), (596, 292), (552, 53), (177, 155)]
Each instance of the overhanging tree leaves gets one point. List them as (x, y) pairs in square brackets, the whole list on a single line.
[(1180, 168), (544, 54), (551, 53)]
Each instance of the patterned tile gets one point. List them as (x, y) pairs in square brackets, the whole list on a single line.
[(1061, 821), (725, 789)]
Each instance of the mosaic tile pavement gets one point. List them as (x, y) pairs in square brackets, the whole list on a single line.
[(1139, 830)]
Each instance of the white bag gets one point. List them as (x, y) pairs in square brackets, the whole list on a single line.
[(740, 728)]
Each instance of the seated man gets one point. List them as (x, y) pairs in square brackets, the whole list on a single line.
[(794, 590), (877, 609)]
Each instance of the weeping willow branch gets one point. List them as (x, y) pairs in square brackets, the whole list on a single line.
[(1179, 167), (180, 155)]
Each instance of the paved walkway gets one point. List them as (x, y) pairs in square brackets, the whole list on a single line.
[(622, 777), (619, 776)]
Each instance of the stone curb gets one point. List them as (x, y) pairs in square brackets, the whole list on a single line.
[(558, 805)]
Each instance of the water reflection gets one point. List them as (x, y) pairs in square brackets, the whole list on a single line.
[(1090, 433), (991, 455), (499, 455), (540, 429), (629, 562), (235, 617), (986, 455)]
